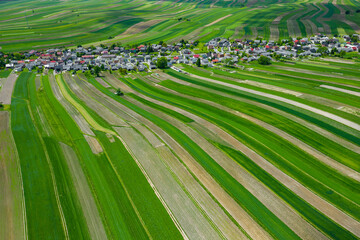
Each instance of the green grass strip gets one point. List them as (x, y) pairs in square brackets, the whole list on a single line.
[(151, 210)]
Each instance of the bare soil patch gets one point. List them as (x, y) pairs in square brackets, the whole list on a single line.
[(7, 88), (94, 144), (141, 26), (218, 20), (102, 82), (88, 205)]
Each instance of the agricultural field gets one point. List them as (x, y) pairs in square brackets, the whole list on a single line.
[(26, 25), (266, 152)]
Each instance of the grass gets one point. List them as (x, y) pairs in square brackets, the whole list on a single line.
[(4, 73)]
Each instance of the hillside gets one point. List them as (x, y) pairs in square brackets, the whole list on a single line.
[(28, 25), (216, 153)]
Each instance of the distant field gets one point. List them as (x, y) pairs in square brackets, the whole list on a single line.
[(42, 24), (268, 152)]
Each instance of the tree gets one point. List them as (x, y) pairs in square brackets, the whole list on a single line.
[(1, 105), (97, 70), (354, 38), (2, 63), (149, 50), (264, 60), (347, 12), (102, 67), (322, 50), (161, 63), (123, 71), (333, 51), (119, 92), (87, 74), (342, 53), (228, 62), (198, 62)]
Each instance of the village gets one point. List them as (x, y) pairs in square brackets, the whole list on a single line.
[(145, 57)]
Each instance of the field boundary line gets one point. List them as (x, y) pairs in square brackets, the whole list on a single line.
[(177, 224), (63, 220)]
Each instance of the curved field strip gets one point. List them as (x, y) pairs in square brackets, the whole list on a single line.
[(109, 200), (196, 150), (95, 225), (226, 202), (274, 30), (183, 218), (293, 25), (262, 194), (341, 120), (338, 188), (340, 220)]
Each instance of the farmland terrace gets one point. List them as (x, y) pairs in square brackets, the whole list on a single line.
[(28, 24), (246, 152)]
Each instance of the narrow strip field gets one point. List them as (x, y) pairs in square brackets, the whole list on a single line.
[(212, 153)]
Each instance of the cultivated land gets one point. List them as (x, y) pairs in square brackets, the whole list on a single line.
[(213, 150), (207, 153), (28, 24)]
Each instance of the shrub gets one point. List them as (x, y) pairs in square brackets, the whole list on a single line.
[(161, 63)]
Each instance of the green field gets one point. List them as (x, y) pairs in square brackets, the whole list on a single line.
[(267, 152), (26, 25)]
